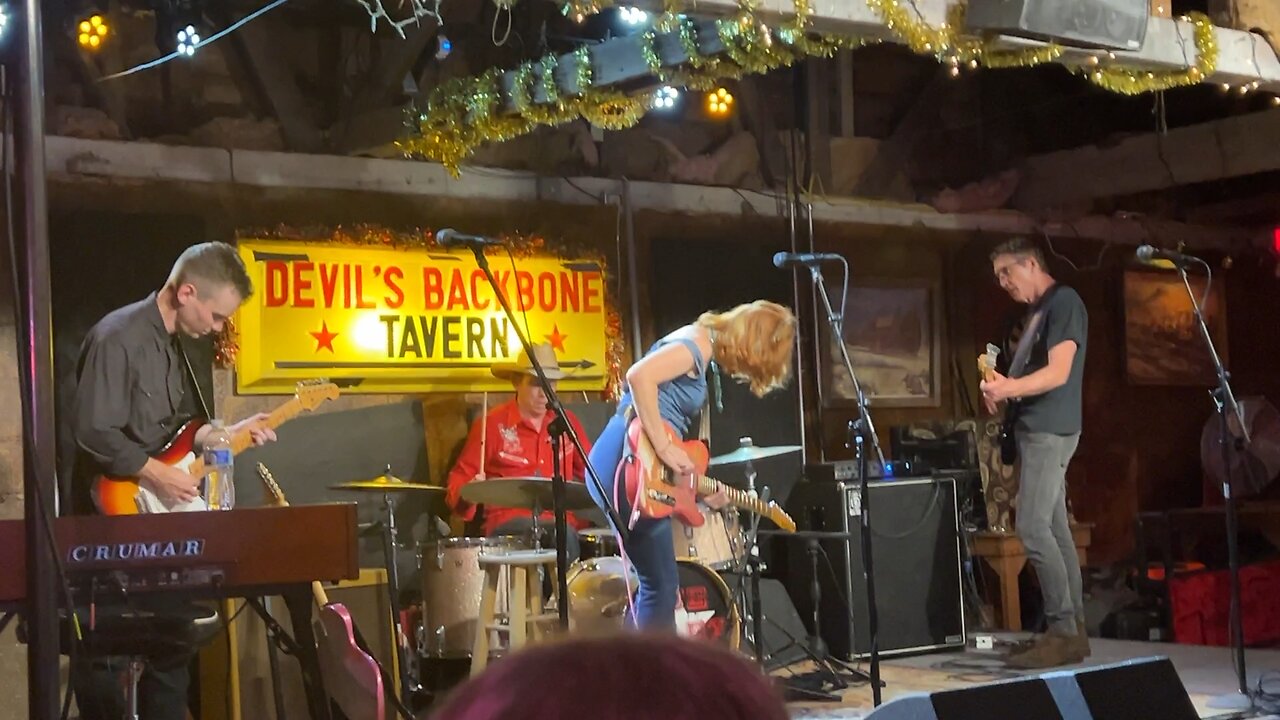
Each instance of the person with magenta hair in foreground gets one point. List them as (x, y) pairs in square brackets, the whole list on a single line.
[(620, 678)]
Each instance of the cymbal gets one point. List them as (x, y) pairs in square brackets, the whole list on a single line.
[(386, 483), (525, 492), (751, 452)]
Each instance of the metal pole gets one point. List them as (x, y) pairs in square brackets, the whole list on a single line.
[(633, 272), (35, 327)]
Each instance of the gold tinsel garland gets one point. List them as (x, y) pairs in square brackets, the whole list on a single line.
[(522, 245), (465, 113)]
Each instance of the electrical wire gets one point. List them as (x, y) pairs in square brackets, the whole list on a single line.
[(220, 34)]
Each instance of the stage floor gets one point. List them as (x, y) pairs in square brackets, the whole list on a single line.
[(1206, 672)]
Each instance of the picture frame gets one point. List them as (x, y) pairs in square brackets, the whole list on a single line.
[(1162, 341), (893, 332)]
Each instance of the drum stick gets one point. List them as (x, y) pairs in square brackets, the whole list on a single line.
[(484, 430)]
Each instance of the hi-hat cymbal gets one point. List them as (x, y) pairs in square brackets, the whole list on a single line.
[(751, 452), (386, 483), (525, 492)]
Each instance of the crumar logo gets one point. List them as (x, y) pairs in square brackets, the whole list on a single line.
[(136, 551)]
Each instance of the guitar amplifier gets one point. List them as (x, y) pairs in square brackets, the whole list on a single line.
[(916, 552)]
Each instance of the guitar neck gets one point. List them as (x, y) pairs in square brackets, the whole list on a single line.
[(736, 497), (242, 440)]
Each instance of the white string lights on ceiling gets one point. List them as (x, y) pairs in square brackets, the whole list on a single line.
[(418, 8)]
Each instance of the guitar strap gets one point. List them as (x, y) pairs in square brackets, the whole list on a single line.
[(191, 375), (1030, 334)]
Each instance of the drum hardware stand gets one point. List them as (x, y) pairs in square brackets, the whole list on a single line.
[(558, 429), (389, 537), (865, 430)]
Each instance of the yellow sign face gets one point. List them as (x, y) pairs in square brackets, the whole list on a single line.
[(410, 321)]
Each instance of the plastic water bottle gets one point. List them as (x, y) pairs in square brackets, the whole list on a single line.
[(219, 465)]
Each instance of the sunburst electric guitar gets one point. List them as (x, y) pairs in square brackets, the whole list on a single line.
[(351, 675), (657, 492), (126, 496)]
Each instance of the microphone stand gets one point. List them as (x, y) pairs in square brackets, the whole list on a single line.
[(1225, 406), (866, 430), (559, 428)]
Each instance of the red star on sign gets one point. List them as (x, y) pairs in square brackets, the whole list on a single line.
[(324, 338), (556, 339)]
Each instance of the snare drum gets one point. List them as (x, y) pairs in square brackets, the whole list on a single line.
[(598, 542), (452, 582), (718, 543), (598, 601)]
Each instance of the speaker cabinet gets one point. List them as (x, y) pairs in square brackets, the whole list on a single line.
[(1108, 24), (916, 556), (1142, 688)]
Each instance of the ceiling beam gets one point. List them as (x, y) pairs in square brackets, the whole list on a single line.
[(1170, 44), (72, 160), (1227, 148)]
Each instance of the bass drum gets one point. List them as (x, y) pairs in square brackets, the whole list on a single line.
[(599, 593)]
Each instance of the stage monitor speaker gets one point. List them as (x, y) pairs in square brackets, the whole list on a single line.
[(1141, 688), (916, 546), (781, 627), (1109, 24)]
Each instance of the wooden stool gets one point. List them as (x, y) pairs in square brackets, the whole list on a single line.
[(525, 613)]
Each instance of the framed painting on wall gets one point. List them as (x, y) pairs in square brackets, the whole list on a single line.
[(1163, 345), (893, 333)]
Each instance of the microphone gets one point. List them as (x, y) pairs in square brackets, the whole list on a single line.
[(1149, 254), (786, 259), (449, 237)]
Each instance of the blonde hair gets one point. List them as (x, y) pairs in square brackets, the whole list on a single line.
[(753, 342)]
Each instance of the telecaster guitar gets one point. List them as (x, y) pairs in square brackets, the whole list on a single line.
[(351, 675), (656, 492), (1008, 437), (126, 496)]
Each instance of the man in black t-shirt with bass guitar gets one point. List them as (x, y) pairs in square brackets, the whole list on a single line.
[(1043, 413)]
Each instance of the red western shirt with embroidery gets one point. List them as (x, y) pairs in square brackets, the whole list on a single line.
[(514, 447)]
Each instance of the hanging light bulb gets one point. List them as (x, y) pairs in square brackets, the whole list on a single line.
[(91, 32), (188, 40), (665, 98)]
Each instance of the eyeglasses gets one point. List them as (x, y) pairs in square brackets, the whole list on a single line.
[(1003, 273)]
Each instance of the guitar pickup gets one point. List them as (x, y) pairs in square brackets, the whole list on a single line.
[(661, 497)]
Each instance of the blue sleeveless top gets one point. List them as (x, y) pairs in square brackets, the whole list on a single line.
[(679, 399)]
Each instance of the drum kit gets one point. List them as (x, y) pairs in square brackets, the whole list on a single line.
[(601, 583)]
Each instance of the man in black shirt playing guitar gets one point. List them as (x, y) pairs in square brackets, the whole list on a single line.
[(1045, 381)]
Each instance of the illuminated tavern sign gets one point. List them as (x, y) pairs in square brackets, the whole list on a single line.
[(409, 320)]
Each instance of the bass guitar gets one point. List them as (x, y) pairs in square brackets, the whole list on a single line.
[(126, 496), (656, 491), (351, 676)]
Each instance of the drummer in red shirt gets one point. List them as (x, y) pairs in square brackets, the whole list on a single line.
[(517, 444)]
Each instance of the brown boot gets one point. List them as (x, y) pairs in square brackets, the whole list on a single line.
[(1081, 645), (1049, 650)]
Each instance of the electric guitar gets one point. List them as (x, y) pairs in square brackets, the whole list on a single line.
[(1008, 438), (126, 496), (656, 491), (351, 676)]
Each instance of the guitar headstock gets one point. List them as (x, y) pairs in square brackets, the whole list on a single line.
[(781, 518), (273, 488), (313, 393), (987, 362)]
